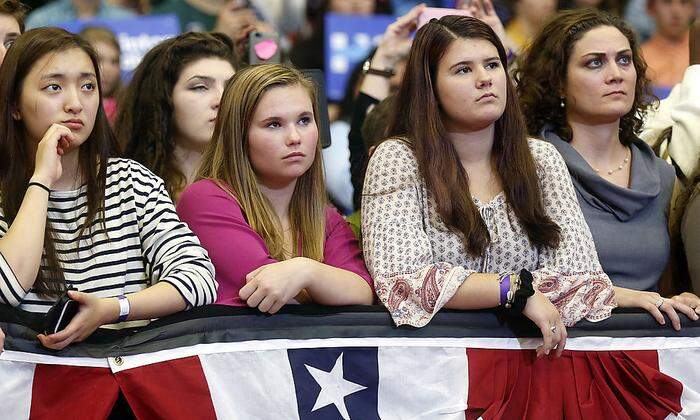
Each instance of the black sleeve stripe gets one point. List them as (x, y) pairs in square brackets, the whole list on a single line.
[(179, 290), (157, 252)]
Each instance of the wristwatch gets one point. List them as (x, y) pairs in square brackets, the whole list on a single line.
[(367, 69)]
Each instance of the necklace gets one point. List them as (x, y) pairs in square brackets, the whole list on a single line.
[(622, 164)]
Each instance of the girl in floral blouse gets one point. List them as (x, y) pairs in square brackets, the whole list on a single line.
[(458, 200)]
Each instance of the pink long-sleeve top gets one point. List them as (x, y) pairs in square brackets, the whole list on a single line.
[(236, 249)]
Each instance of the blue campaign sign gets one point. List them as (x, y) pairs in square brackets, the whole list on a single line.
[(347, 41), (136, 35)]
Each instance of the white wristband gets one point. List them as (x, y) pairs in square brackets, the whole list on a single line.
[(124, 308)]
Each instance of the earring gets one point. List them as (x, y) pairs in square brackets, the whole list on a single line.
[(562, 103)]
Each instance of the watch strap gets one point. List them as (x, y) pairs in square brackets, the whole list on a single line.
[(367, 69)]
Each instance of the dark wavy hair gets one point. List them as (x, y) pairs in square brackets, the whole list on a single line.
[(418, 118), (144, 122), (542, 68), (18, 155)]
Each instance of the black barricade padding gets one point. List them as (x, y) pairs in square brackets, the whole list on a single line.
[(218, 323)]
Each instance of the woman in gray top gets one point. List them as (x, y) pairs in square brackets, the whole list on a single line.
[(583, 87)]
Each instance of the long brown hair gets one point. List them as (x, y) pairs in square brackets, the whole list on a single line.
[(18, 155), (227, 161), (542, 68), (144, 122), (418, 117)]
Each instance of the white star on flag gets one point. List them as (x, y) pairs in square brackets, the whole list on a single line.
[(334, 388)]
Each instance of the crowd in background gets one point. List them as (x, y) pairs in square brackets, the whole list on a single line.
[(661, 26)]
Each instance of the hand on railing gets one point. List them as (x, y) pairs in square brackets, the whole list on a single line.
[(689, 299), (272, 286), (655, 305), (543, 313)]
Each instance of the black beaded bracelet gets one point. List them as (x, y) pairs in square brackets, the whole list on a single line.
[(40, 185)]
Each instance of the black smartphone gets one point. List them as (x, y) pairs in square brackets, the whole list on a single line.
[(263, 48), (324, 125), (60, 314)]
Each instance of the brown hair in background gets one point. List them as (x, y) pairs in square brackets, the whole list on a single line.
[(142, 7), (144, 125), (15, 9), (100, 34), (376, 125), (94, 34)]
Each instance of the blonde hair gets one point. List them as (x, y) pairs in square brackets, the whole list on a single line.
[(227, 162)]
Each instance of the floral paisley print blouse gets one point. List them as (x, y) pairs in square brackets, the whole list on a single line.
[(418, 264)]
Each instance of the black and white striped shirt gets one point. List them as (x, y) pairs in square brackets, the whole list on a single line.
[(145, 242)]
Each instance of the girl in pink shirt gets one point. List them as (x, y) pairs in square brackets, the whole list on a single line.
[(259, 206)]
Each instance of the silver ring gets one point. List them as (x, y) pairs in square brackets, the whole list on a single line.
[(659, 302), (553, 329)]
